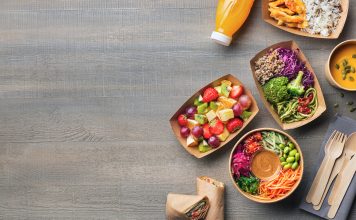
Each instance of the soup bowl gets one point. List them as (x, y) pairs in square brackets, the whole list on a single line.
[(329, 66), (264, 161)]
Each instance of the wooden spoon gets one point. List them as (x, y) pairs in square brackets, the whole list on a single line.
[(334, 152), (349, 151), (346, 177)]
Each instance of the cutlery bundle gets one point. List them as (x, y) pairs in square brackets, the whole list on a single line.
[(339, 162)]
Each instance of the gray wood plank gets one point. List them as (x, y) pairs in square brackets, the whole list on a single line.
[(86, 91)]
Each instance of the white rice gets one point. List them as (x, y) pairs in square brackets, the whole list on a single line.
[(322, 16)]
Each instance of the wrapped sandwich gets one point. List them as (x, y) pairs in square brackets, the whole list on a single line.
[(214, 190), (189, 207)]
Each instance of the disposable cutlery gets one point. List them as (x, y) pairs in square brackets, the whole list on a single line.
[(346, 176), (349, 151), (318, 175), (332, 153)]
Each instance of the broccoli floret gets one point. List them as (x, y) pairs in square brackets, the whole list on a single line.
[(275, 89), (295, 87)]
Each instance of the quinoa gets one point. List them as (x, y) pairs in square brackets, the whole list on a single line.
[(268, 66)]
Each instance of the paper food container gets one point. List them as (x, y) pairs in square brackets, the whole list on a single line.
[(254, 198), (321, 102), (334, 35), (176, 128)]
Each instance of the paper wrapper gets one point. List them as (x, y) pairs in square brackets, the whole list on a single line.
[(178, 205), (334, 35), (214, 190), (321, 102)]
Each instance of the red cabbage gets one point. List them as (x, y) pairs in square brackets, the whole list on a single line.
[(241, 164), (292, 65)]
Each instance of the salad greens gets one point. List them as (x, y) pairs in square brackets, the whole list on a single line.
[(249, 184)]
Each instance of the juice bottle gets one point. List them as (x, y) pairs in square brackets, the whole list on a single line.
[(230, 16)]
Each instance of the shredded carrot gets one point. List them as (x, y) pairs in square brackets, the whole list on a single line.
[(280, 185)]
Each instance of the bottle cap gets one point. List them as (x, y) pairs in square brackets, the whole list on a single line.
[(221, 38)]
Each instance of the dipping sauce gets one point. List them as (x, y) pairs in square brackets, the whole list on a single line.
[(265, 164), (343, 66)]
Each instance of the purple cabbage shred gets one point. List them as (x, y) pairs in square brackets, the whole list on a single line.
[(241, 164), (292, 65)]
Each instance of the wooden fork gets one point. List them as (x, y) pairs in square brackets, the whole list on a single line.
[(320, 171), (333, 152)]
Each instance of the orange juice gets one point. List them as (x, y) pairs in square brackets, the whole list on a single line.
[(230, 16)]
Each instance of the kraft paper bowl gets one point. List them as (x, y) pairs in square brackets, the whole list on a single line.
[(250, 196)]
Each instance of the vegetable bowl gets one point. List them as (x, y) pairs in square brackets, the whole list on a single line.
[(287, 85), (213, 116), (266, 165)]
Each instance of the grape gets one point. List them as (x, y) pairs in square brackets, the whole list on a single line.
[(184, 131), (197, 131), (191, 111), (245, 101), (214, 141), (237, 109)]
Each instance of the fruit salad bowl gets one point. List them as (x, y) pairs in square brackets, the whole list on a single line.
[(218, 127)]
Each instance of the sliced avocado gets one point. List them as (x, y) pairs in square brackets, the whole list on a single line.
[(245, 115), (202, 119), (225, 90), (204, 147), (218, 88), (202, 109), (213, 106)]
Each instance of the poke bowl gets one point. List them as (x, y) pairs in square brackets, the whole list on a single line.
[(266, 165), (213, 116)]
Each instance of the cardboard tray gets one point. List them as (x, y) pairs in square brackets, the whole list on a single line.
[(340, 26), (301, 164), (176, 127), (321, 102)]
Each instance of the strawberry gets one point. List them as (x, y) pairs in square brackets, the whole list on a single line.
[(216, 127), (206, 131), (236, 91), (234, 124), (182, 120), (210, 94)]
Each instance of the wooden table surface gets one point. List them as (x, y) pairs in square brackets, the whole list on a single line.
[(86, 91)]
